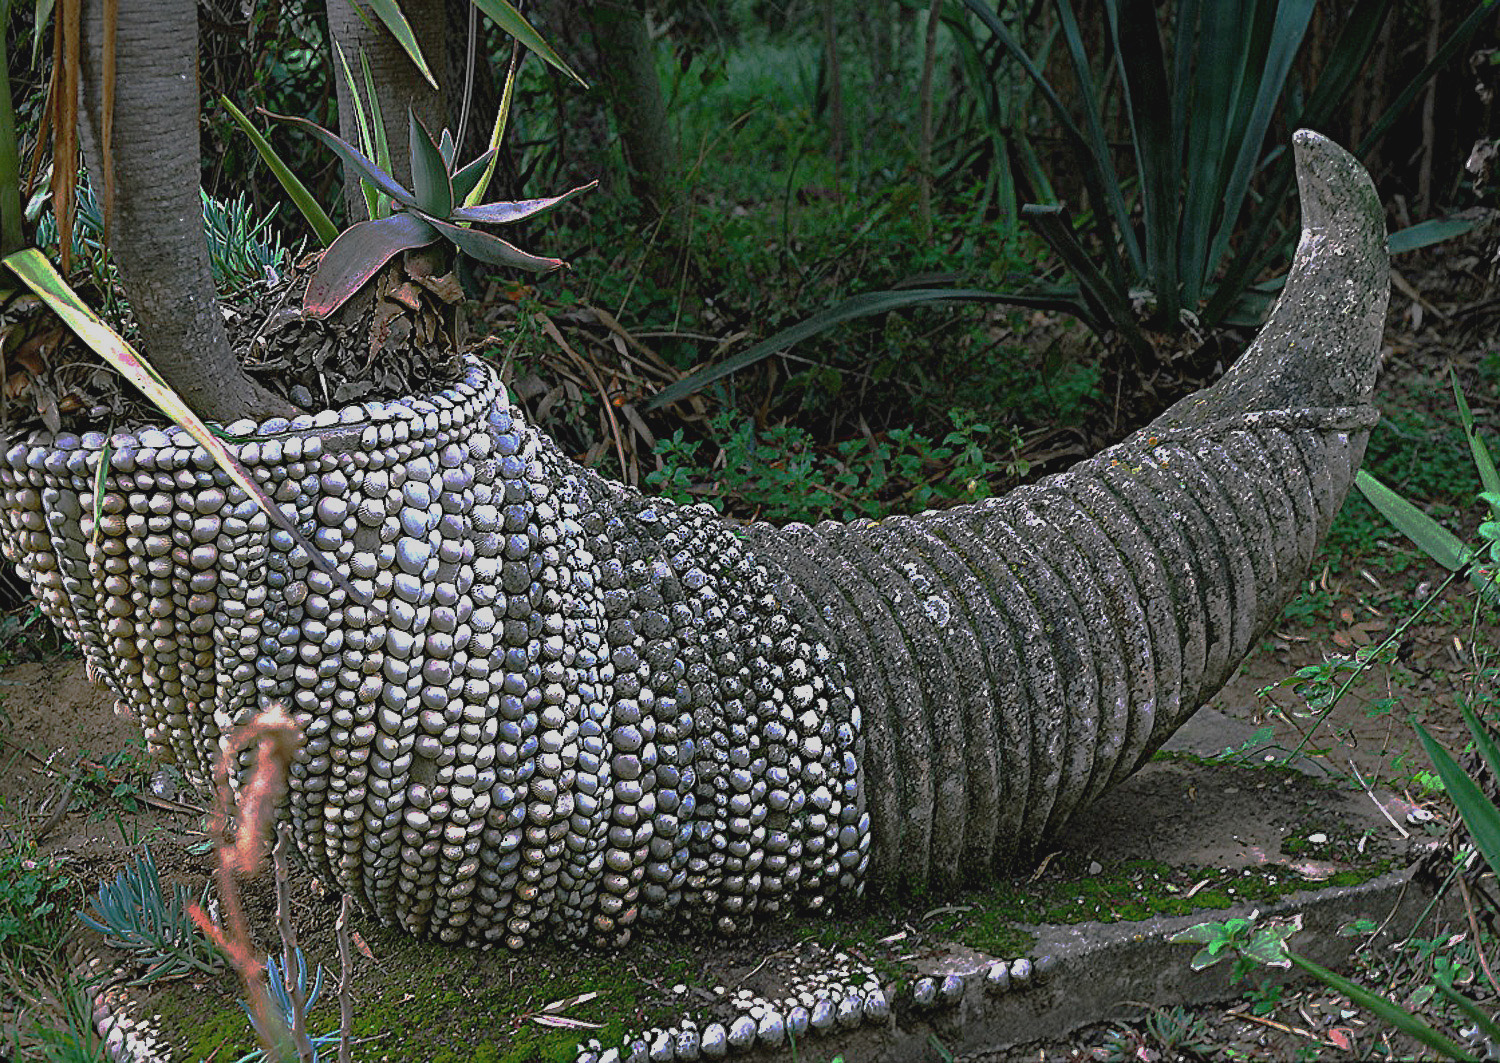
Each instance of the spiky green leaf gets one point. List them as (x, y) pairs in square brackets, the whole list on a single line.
[(352, 156), (34, 269), (467, 178), (389, 13), (501, 213), (504, 15), (429, 173), (486, 248)]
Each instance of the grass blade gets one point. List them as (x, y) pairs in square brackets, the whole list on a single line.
[(34, 269), (316, 217), (374, 207), (853, 308), (1426, 233), (1475, 1014), (1489, 479), (1479, 813)]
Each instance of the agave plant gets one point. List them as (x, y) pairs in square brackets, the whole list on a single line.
[(431, 211)]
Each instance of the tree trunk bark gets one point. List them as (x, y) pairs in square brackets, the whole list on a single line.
[(156, 234), (627, 66), (398, 82)]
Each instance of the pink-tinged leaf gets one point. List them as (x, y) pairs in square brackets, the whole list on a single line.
[(467, 179), (358, 254), (429, 174), (351, 155), (34, 269), (492, 249), (563, 1022), (500, 213)]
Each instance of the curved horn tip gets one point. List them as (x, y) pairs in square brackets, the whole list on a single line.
[(1332, 184)]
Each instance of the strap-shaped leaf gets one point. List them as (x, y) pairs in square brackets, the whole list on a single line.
[(1386, 1010), (429, 174), (391, 17), (501, 213), (492, 249), (1436, 541), (351, 155), (504, 15), (317, 217), (857, 306), (376, 205), (358, 254), (40, 277), (467, 178)]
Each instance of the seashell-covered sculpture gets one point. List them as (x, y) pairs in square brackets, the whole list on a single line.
[(572, 709)]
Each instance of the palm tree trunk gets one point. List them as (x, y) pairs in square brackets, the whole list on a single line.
[(156, 232)]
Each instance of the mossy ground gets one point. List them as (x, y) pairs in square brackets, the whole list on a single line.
[(419, 1000)]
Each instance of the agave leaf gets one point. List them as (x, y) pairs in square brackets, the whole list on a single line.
[(316, 216), (33, 268), (501, 213), (467, 178), (504, 15), (390, 14), (358, 254), (492, 249), (429, 174), (352, 156), (447, 148)]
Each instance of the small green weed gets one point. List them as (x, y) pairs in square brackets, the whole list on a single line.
[(33, 900), (780, 474), (1265, 999)]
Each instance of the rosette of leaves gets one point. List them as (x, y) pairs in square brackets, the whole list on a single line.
[(431, 211)]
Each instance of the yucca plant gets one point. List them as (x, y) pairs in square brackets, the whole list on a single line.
[(135, 913), (432, 211), (1173, 239)]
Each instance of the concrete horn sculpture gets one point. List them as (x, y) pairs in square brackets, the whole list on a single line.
[(575, 709)]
